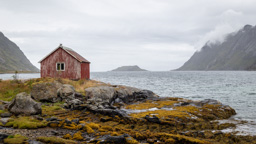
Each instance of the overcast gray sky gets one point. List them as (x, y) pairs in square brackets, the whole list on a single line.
[(157, 35)]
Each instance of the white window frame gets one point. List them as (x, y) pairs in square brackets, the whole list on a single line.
[(60, 66)]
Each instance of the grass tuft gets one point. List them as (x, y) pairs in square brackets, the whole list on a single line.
[(26, 123)]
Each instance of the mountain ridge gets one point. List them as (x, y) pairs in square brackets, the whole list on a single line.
[(12, 58), (237, 52)]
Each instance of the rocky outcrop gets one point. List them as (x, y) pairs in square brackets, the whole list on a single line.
[(102, 98), (117, 94), (100, 93), (114, 139), (66, 92), (24, 104), (46, 92), (3, 136)]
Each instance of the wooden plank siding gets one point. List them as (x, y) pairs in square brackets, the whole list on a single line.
[(72, 66), (85, 70)]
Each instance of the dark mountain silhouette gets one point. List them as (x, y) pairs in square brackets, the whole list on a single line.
[(12, 58), (237, 52)]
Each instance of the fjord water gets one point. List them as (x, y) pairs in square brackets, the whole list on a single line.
[(234, 88)]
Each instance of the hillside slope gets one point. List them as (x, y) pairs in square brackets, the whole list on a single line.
[(237, 52), (12, 58)]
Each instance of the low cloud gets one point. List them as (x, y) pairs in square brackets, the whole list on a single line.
[(154, 34)]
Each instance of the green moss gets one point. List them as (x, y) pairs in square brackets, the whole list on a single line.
[(180, 138), (151, 104), (55, 140), (16, 139), (26, 123), (163, 114), (2, 111), (52, 109)]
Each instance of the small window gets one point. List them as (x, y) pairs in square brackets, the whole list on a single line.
[(60, 66)]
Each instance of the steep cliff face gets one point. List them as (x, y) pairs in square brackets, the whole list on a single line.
[(237, 52), (12, 58)]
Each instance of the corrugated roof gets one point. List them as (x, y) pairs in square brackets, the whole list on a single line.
[(69, 51)]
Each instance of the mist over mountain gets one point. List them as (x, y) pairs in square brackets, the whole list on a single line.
[(12, 58), (236, 52)]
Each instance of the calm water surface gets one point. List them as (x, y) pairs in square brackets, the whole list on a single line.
[(234, 88)]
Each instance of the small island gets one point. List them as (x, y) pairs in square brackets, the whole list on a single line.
[(129, 68)]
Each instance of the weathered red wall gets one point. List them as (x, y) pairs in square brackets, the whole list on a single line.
[(72, 66), (85, 70)]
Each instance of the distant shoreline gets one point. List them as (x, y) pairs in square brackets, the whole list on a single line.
[(19, 72)]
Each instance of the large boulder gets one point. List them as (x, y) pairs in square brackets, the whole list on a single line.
[(100, 93), (66, 92), (117, 94), (128, 95), (24, 104), (46, 92)]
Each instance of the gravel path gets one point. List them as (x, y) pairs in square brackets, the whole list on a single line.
[(32, 134)]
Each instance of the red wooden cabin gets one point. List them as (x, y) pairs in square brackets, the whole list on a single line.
[(63, 62)]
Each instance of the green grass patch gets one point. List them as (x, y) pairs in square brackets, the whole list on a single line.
[(26, 123), (52, 109), (15, 139)]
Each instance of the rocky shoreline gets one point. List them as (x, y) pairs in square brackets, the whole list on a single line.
[(64, 111)]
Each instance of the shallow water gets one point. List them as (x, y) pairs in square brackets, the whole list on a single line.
[(234, 88)]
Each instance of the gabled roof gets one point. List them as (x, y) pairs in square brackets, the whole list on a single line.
[(69, 51)]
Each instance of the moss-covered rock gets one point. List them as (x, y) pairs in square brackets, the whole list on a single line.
[(15, 139)]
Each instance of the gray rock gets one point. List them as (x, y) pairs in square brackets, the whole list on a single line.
[(66, 92), (209, 101), (68, 122), (130, 94), (101, 107), (73, 104), (34, 142), (46, 92), (52, 119), (153, 119), (54, 132), (24, 104), (2, 107), (114, 139), (6, 114), (38, 117), (76, 121), (3, 136), (82, 125), (116, 94), (105, 93), (4, 120)]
